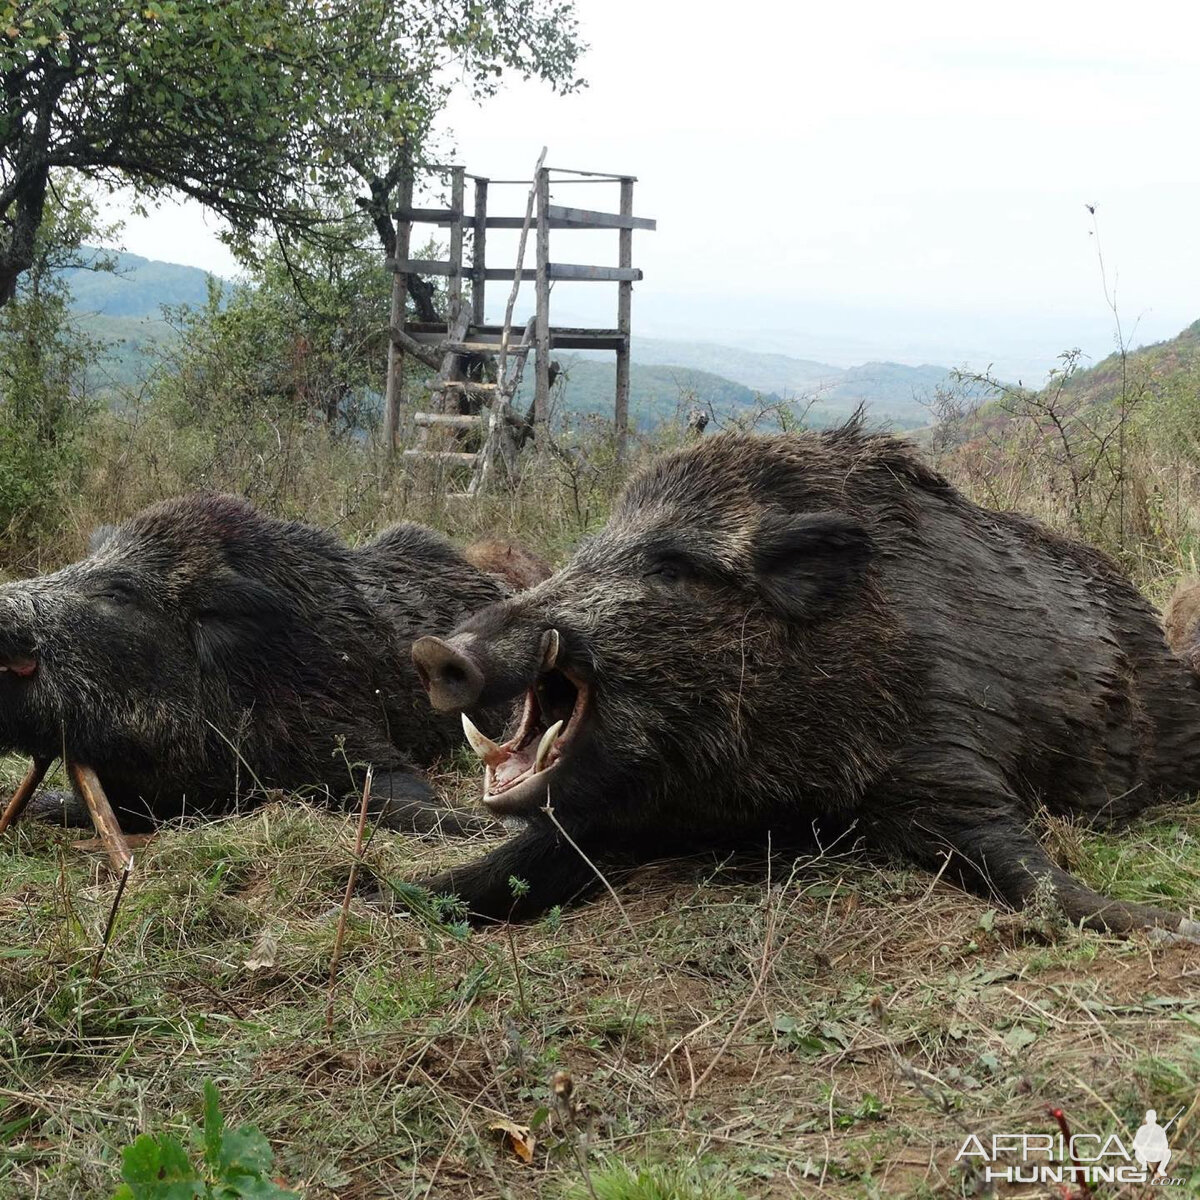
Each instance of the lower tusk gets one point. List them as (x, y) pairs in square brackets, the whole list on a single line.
[(543, 750), (487, 750)]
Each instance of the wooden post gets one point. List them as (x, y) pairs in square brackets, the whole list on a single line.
[(541, 393), (454, 287), (624, 306), (479, 253), (394, 392)]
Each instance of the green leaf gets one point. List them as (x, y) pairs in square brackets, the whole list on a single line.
[(214, 1124), (255, 1188), (157, 1168), (1018, 1037), (245, 1152)]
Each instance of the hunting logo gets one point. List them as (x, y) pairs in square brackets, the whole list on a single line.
[(1150, 1143), (1085, 1158)]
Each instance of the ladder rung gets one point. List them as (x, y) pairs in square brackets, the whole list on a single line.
[(483, 348), (466, 460), (452, 420)]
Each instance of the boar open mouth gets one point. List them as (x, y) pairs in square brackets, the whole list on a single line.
[(22, 666), (517, 772)]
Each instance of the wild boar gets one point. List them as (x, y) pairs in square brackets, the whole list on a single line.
[(777, 631), (204, 652)]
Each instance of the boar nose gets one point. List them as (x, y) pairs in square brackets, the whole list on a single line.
[(452, 680)]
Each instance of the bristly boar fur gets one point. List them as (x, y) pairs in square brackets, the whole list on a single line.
[(776, 630), (204, 651)]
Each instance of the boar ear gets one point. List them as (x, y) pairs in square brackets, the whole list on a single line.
[(805, 562)]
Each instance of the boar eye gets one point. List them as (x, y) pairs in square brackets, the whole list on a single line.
[(670, 570), (116, 592)]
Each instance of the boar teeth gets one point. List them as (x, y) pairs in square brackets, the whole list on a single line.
[(543, 750), (482, 745), (550, 651)]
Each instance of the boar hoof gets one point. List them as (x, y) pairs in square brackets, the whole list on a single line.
[(64, 809), (1186, 934)]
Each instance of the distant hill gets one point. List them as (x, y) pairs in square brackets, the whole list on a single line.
[(892, 391), (656, 392), (889, 386), (1157, 363), (125, 309), (764, 372), (138, 288), (661, 392)]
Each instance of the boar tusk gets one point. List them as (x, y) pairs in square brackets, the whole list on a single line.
[(24, 793), (87, 784), (543, 750), (488, 751), (549, 649)]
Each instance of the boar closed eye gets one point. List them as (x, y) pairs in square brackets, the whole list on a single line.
[(116, 593), (667, 572)]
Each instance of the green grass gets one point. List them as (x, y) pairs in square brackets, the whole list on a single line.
[(832, 1034)]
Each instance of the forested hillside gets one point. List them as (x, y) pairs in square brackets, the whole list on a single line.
[(137, 287)]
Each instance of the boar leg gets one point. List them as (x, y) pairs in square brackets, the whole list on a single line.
[(87, 783), (405, 802), (539, 856), (1010, 858), (24, 793), (980, 827)]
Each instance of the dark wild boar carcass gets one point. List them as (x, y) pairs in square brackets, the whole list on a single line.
[(204, 652), (772, 631)]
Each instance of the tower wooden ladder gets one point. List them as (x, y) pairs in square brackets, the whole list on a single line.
[(461, 350)]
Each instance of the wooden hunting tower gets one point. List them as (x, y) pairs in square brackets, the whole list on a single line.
[(473, 390)]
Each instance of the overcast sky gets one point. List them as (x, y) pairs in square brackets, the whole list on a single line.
[(856, 181)]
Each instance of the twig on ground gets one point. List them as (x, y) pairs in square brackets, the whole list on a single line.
[(344, 914), (112, 917), (766, 960), (608, 887), (562, 1092)]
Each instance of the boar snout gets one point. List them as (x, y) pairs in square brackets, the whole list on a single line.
[(452, 680), (18, 650)]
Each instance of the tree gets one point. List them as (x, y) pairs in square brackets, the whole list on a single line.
[(259, 109), (44, 359)]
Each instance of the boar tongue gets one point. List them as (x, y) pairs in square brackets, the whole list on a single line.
[(22, 666), (529, 759)]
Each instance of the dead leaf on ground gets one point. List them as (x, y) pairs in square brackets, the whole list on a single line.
[(263, 954), (518, 1138)]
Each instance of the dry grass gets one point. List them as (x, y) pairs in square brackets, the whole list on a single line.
[(296, 468), (830, 1027)]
